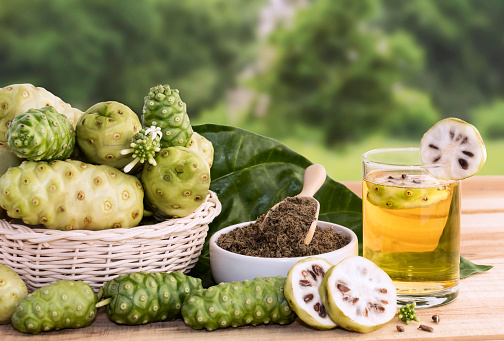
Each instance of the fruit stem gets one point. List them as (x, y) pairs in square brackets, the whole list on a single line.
[(104, 302)]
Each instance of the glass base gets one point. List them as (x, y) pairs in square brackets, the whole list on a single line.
[(430, 300)]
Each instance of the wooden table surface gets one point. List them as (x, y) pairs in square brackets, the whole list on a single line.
[(477, 314)]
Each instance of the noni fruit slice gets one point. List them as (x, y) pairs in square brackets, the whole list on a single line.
[(405, 190), (358, 295), (302, 292), (396, 197), (456, 147), (12, 290), (63, 304)]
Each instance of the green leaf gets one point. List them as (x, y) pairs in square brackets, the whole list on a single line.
[(251, 173), (468, 268)]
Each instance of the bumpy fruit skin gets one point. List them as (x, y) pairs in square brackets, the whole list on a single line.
[(41, 134), (63, 304), (68, 195), (202, 146), (251, 302), (12, 290), (164, 108), (178, 184), (9, 159), (391, 197), (141, 298), (16, 99), (104, 130), (407, 313)]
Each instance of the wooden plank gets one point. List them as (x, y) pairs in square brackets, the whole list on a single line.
[(484, 185), (483, 194)]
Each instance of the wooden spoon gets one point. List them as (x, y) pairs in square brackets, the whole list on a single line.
[(313, 178)]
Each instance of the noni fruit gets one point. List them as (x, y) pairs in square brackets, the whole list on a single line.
[(141, 298), (104, 130), (69, 195), (302, 292), (203, 147), (251, 302), (63, 304), (178, 184), (407, 313), (16, 99), (12, 290), (9, 159), (144, 146), (41, 134), (164, 108)]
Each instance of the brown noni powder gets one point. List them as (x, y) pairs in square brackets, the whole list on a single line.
[(282, 234)]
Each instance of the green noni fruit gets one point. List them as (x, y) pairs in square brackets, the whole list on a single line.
[(12, 290), (9, 159), (141, 298), (178, 184), (164, 108), (71, 195), (251, 302), (63, 304), (104, 130), (41, 134), (16, 99), (203, 147)]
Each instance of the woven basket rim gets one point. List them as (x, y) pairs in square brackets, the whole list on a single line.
[(204, 214)]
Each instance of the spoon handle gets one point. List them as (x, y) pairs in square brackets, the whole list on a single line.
[(313, 178)]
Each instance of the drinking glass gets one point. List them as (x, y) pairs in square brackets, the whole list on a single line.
[(411, 225)]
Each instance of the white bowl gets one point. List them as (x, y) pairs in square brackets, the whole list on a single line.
[(230, 267)]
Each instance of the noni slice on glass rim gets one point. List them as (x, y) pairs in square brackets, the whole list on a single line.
[(456, 146)]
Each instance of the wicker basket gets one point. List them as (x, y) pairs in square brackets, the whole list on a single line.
[(42, 256)]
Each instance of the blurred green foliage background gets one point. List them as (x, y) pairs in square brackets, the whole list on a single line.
[(330, 79)]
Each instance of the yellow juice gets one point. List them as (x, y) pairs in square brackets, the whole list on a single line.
[(411, 229)]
